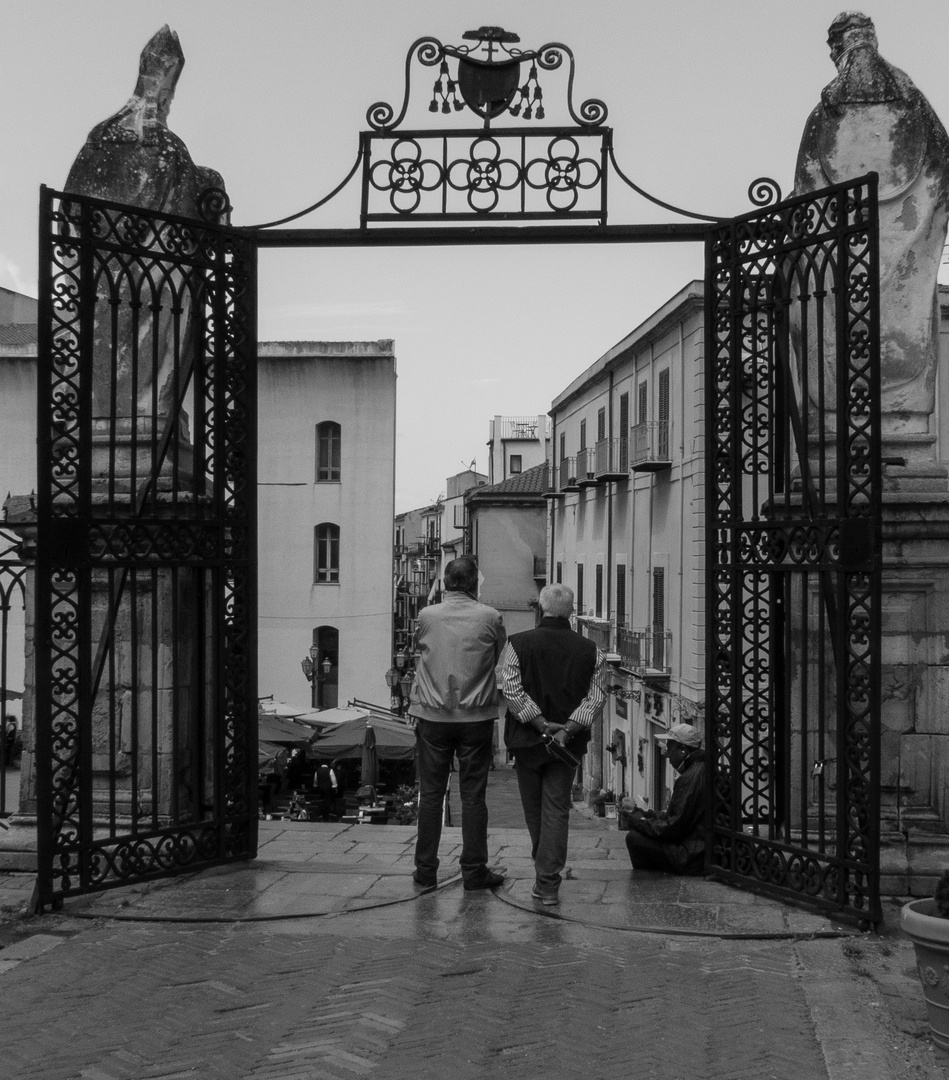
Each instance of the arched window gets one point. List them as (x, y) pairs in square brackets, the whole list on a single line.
[(326, 685), (326, 553), (328, 441)]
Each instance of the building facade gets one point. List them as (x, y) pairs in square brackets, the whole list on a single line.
[(507, 530), (626, 520), (516, 444), (326, 470)]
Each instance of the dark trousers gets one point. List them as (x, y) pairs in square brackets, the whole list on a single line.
[(647, 853), (545, 785), (437, 745)]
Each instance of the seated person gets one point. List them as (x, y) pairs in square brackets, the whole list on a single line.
[(675, 840)]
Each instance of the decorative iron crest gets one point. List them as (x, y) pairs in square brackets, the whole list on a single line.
[(486, 80), (527, 172)]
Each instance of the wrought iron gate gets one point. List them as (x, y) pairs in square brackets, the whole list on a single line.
[(145, 570), (12, 630), (793, 549)]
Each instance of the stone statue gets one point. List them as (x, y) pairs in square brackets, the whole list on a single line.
[(873, 118), (133, 158)]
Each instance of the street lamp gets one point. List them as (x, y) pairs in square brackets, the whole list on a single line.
[(399, 699), (314, 672)]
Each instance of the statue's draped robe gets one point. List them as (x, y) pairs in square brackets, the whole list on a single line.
[(133, 158), (873, 118)]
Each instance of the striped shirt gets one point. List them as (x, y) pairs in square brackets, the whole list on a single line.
[(526, 709)]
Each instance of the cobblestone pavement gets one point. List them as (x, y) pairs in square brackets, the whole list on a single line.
[(321, 961)]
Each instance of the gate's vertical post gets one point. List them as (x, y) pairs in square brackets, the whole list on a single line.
[(42, 715)]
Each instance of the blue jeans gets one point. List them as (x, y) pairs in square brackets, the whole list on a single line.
[(437, 745), (545, 785)]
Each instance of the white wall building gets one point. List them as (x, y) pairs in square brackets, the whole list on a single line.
[(301, 385), (326, 469), (626, 533), (516, 444)]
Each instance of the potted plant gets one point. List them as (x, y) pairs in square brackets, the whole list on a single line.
[(926, 924)]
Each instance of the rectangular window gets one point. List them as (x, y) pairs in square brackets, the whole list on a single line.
[(658, 617), (328, 444), (583, 434), (621, 594), (598, 610), (658, 599), (624, 432), (579, 588), (662, 442), (563, 445), (515, 466), (643, 403), (600, 424), (326, 554), (560, 573)]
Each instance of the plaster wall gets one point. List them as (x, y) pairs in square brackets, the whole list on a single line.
[(646, 521), (302, 384), (506, 540)]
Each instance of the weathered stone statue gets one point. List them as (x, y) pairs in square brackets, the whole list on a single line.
[(873, 118), (133, 158)]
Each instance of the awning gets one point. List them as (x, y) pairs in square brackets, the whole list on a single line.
[(274, 729), (392, 740)]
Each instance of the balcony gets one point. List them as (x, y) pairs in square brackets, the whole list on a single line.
[(568, 474), (516, 427), (650, 450), (645, 652), (551, 483), (612, 460), (599, 631), (586, 463)]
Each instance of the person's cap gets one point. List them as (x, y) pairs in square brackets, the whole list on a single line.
[(682, 733)]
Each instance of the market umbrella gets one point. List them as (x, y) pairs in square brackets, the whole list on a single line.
[(392, 740), (275, 729), (369, 768)]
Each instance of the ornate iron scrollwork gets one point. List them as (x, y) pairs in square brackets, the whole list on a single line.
[(486, 80)]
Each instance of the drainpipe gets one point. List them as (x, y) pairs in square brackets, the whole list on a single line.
[(552, 512)]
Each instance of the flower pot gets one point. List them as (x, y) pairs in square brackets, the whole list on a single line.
[(929, 934)]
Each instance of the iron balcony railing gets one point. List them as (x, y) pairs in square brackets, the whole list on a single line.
[(586, 464), (517, 427), (599, 631), (650, 449), (612, 459), (644, 650), (568, 474)]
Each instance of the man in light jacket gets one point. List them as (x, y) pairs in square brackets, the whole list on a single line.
[(454, 699)]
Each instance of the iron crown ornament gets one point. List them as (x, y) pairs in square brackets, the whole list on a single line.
[(487, 80)]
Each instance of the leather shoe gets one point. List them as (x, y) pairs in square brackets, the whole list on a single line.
[(489, 880), (546, 898), (423, 881)]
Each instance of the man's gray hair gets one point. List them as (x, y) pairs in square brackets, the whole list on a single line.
[(557, 601)]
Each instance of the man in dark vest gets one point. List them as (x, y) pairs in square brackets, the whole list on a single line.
[(324, 780), (552, 680)]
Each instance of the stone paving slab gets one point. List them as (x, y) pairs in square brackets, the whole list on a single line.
[(387, 993)]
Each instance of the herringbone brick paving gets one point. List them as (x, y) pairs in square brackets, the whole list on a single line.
[(123, 1001)]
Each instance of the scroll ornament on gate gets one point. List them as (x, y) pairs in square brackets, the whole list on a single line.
[(487, 82)]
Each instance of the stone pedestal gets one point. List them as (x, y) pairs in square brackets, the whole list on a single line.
[(144, 731), (915, 684)]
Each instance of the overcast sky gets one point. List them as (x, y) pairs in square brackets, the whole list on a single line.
[(704, 96)]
